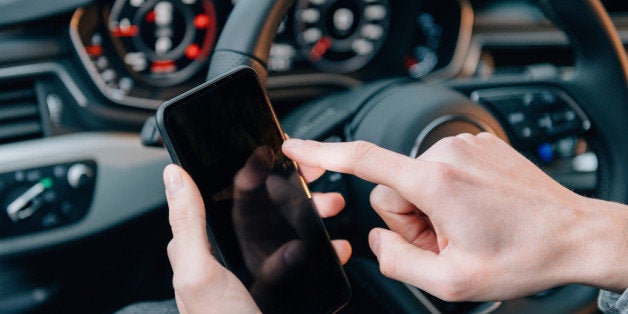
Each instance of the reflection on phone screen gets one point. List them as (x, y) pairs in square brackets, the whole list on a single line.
[(259, 213)]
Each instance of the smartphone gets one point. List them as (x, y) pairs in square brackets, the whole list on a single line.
[(261, 220)]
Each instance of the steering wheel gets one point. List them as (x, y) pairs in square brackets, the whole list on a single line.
[(408, 116)]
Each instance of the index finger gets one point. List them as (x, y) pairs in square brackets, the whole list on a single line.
[(365, 160)]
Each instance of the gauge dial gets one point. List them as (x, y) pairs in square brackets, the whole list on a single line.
[(163, 42), (424, 56), (341, 35)]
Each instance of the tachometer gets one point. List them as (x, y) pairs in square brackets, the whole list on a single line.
[(424, 57), (163, 42), (341, 35)]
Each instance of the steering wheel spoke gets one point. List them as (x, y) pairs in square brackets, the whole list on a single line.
[(407, 117)]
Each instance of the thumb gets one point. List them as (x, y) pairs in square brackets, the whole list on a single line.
[(400, 260), (200, 282), (186, 210), (189, 251)]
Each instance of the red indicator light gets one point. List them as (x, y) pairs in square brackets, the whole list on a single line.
[(192, 51), (163, 66), (127, 31), (94, 51), (202, 21), (150, 17)]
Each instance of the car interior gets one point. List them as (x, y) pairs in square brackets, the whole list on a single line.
[(83, 215)]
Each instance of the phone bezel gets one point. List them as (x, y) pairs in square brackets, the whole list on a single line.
[(171, 145)]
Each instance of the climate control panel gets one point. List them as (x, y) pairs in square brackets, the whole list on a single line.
[(45, 197)]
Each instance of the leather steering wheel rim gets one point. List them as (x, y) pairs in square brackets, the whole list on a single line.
[(600, 79), (599, 83)]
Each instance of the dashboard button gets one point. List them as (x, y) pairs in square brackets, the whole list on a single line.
[(545, 122), (45, 197), (80, 175), (50, 220)]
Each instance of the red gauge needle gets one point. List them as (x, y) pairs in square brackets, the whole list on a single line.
[(320, 48)]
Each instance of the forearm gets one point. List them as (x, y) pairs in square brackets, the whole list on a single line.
[(603, 246)]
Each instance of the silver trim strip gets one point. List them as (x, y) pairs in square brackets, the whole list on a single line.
[(548, 36), (422, 298), (484, 308), (444, 119), (467, 17), (46, 68), (128, 184)]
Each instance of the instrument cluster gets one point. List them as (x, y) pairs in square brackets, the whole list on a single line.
[(141, 52)]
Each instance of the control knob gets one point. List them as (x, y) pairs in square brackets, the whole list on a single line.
[(79, 175)]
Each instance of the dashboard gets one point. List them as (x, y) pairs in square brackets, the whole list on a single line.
[(142, 52), (78, 79)]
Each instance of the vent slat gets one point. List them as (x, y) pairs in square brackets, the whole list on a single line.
[(20, 130), (16, 94), (18, 111)]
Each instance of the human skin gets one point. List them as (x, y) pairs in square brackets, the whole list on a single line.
[(201, 283), (471, 219)]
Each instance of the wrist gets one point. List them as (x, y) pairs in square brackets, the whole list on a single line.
[(599, 253)]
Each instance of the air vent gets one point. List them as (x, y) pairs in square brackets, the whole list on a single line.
[(19, 113)]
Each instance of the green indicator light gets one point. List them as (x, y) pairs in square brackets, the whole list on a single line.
[(46, 182)]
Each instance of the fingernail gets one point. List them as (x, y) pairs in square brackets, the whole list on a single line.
[(374, 236), (292, 143), (172, 180)]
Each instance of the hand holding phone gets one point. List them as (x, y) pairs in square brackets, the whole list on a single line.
[(200, 282), (260, 217)]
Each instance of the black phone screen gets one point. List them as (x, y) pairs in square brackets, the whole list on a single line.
[(261, 220)]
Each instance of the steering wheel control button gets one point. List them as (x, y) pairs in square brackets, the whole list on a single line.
[(525, 131), (45, 197), (535, 115), (545, 152), (539, 99)]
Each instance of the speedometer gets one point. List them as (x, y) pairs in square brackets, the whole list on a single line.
[(163, 42), (341, 35)]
